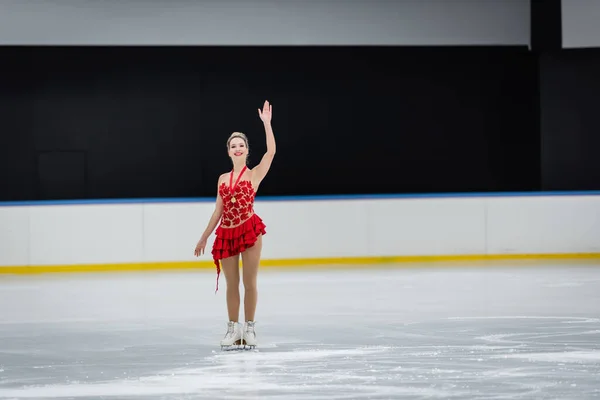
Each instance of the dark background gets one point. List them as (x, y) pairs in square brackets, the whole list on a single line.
[(570, 119), (135, 122)]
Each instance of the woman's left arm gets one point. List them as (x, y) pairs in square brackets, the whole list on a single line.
[(260, 171)]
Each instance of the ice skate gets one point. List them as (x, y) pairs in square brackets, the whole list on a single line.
[(233, 337), (249, 336)]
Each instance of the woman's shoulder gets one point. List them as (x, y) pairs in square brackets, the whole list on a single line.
[(222, 178)]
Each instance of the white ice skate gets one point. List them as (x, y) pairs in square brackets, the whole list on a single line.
[(233, 337), (249, 336)]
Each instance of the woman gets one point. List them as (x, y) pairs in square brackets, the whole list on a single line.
[(240, 231)]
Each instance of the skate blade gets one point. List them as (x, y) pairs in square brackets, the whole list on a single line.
[(233, 347), (238, 347), (246, 346)]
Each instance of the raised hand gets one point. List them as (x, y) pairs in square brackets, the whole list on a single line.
[(266, 113)]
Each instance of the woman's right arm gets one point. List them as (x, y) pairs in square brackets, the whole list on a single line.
[(216, 215), (212, 222)]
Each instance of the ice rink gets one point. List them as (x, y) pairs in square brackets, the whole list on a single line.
[(530, 331)]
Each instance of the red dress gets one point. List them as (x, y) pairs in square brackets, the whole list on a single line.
[(240, 226)]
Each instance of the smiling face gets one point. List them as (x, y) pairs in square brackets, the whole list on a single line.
[(237, 148)]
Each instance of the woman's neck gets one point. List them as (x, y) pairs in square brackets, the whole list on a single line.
[(237, 167)]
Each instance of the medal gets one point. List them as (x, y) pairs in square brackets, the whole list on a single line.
[(232, 188)]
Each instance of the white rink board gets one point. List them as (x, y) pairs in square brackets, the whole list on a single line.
[(303, 229), (171, 230), (430, 226), (86, 234), (543, 225), (14, 235), (296, 229)]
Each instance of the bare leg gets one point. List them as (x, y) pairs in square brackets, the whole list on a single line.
[(250, 261), (231, 270)]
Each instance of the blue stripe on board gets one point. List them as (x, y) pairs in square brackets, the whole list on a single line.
[(300, 198)]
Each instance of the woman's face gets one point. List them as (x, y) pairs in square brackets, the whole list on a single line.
[(238, 149)]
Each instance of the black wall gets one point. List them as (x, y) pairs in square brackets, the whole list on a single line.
[(94, 122), (570, 118)]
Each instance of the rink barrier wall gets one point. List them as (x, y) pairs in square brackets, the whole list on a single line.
[(303, 231)]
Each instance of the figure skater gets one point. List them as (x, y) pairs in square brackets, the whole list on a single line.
[(240, 231)]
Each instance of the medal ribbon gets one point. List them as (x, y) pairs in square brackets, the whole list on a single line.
[(232, 188)]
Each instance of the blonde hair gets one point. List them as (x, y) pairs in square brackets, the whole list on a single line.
[(238, 135)]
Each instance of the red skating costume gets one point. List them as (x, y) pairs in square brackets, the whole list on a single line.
[(240, 226)]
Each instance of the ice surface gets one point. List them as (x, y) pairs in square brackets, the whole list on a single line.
[(531, 332)]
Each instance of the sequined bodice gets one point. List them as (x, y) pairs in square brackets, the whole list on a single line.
[(235, 213)]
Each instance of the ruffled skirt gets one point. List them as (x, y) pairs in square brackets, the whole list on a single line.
[(233, 241)]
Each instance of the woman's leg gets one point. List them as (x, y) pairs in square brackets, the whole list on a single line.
[(231, 270), (250, 261)]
